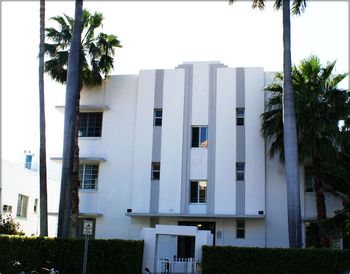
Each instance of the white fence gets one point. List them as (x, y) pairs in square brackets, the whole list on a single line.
[(176, 265)]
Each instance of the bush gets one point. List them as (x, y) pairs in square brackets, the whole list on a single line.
[(240, 260), (8, 226), (105, 256)]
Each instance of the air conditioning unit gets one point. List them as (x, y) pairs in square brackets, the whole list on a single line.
[(7, 208)]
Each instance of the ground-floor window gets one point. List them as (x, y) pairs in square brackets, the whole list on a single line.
[(240, 229)]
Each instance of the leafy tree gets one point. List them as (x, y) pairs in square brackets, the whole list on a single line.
[(289, 122), (42, 166), (96, 62), (319, 107)]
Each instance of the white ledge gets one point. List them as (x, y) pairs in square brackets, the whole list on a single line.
[(82, 214), (88, 108), (171, 215), (81, 159)]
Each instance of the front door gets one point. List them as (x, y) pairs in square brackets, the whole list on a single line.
[(185, 246)]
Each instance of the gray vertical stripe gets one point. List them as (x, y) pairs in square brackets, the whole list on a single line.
[(240, 88), (212, 137), (154, 203), (240, 198), (158, 92), (157, 138), (240, 144), (186, 143), (240, 140)]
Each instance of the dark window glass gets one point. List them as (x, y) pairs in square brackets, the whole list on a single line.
[(195, 137), (240, 116), (194, 192), (308, 179), (240, 229), (240, 167), (90, 124), (158, 116), (155, 171)]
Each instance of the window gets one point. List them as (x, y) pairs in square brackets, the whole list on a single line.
[(240, 116), (36, 205), (155, 171), (158, 115), (200, 136), (6, 208), (240, 171), (240, 229), (88, 175), (198, 192), (22, 205), (308, 179), (28, 161), (90, 124)]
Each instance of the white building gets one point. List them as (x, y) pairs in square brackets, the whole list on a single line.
[(19, 194), (179, 147)]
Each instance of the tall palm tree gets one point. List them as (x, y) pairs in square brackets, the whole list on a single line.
[(42, 166), (319, 106), (289, 122), (96, 62)]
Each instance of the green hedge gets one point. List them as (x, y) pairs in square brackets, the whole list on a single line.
[(105, 256), (240, 260)]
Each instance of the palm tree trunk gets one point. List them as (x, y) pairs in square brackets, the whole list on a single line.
[(42, 166), (74, 229), (320, 199), (290, 138), (72, 91)]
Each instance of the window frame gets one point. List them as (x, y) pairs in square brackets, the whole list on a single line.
[(240, 229), (22, 206), (200, 142), (155, 171), (240, 113), (93, 127), (240, 173), (83, 185), (157, 120), (198, 195)]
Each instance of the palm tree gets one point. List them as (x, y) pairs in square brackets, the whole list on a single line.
[(42, 166), (289, 122), (96, 62), (319, 106)]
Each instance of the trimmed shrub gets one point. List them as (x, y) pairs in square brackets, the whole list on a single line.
[(242, 260), (66, 255)]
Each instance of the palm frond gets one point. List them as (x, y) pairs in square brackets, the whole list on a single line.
[(258, 4), (298, 7)]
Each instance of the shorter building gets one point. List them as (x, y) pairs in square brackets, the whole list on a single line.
[(19, 195)]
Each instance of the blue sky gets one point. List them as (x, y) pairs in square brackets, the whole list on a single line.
[(161, 35)]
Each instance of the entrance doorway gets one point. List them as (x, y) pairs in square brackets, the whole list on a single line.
[(185, 246), (201, 226)]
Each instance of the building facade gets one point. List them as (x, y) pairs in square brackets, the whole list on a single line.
[(179, 147)]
